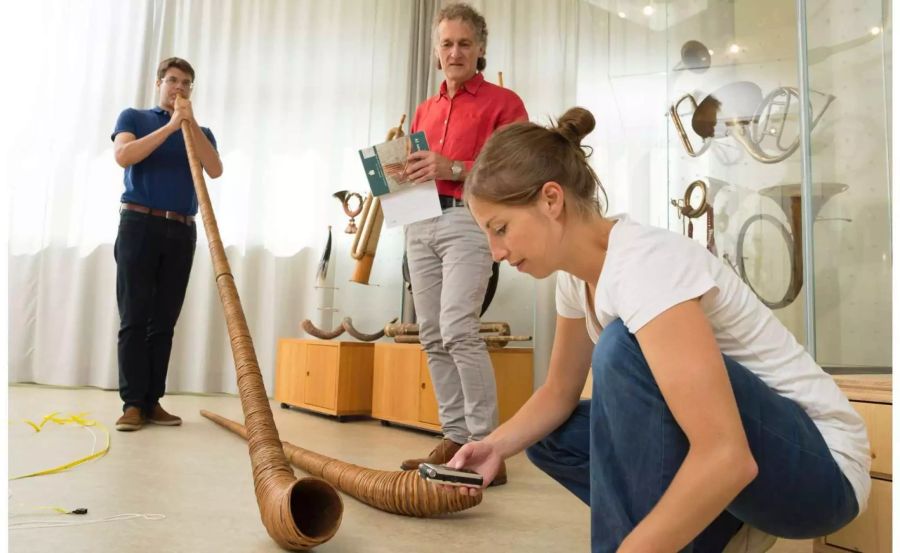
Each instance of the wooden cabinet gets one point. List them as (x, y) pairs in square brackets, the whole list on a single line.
[(428, 405), (871, 531), (328, 377), (402, 391), (395, 383)]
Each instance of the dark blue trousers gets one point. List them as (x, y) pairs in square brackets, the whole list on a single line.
[(153, 264), (619, 451)]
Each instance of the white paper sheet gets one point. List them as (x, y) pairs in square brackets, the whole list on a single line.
[(411, 204)]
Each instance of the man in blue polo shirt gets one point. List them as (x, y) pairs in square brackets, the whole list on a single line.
[(155, 245)]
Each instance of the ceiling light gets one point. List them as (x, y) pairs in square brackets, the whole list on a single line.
[(734, 49), (875, 31), (622, 15), (648, 10)]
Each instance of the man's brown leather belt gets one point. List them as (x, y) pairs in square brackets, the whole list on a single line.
[(173, 215)]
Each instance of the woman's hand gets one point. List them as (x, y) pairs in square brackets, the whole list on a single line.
[(480, 457), (425, 165)]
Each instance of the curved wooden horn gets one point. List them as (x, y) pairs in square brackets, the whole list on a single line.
[(365, 243), (492, 340), (393, 329), (313, 330), (347, 324), (298, 514), (401, 492)]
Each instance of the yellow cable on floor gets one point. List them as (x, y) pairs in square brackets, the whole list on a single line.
[(81, 421)]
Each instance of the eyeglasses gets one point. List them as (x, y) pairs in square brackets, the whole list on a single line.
[(172, 81)]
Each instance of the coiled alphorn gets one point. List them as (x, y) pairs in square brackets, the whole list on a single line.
[(401, 492), (297, 514)]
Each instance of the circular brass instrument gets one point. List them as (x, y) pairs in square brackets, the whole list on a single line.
[(788, 198), (739, 110), (794, 252), (346, 197), (689, 209)]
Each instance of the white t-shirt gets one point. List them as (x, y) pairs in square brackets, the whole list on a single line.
[(648, 270)]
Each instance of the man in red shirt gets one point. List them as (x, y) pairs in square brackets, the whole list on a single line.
[(449, 258)]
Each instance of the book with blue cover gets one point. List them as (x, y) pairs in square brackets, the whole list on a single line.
[(385, 164)]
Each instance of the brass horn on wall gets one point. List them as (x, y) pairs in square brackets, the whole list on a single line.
[(297, 514), (365, 243)]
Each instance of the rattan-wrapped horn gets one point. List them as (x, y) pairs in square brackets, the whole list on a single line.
[(298, 514), (393, 329), (401, 492)]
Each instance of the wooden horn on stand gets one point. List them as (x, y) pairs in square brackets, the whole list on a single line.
[(401, 492), (298, 514), (365, 243)]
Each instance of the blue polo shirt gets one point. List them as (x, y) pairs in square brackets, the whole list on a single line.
[(163, 179)]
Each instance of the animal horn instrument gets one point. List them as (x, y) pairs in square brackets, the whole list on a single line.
[(313, 330), (298, 514), (401, 492)]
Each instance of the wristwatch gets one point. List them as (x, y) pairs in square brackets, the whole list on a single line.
[(457, 169)]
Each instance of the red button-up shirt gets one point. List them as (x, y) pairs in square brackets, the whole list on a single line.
[(457, 128)]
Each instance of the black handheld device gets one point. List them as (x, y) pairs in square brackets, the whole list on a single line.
[(442, 474)]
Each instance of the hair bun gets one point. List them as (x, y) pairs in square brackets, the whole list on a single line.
[(575, 124)]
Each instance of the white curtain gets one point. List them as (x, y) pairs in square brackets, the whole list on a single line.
[(561, 53), (291, 90)]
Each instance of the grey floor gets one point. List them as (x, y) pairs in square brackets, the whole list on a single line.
[(199, 477)]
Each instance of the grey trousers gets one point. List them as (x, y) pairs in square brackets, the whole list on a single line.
[(449, 266)]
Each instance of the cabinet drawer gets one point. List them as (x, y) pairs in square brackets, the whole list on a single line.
[(871, 531), (877, 417)]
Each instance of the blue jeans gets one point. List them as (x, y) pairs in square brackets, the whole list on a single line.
[(619, 451)]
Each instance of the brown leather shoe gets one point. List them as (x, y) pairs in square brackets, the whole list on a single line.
[(500, 479), (442, 453), (130, 420), (159, 416)]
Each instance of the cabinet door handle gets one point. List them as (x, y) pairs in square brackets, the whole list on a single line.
[(307, 373), (423, 385)]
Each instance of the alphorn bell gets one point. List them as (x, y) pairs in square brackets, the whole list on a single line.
[(298, 514), (365, 243), (401, 492)]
